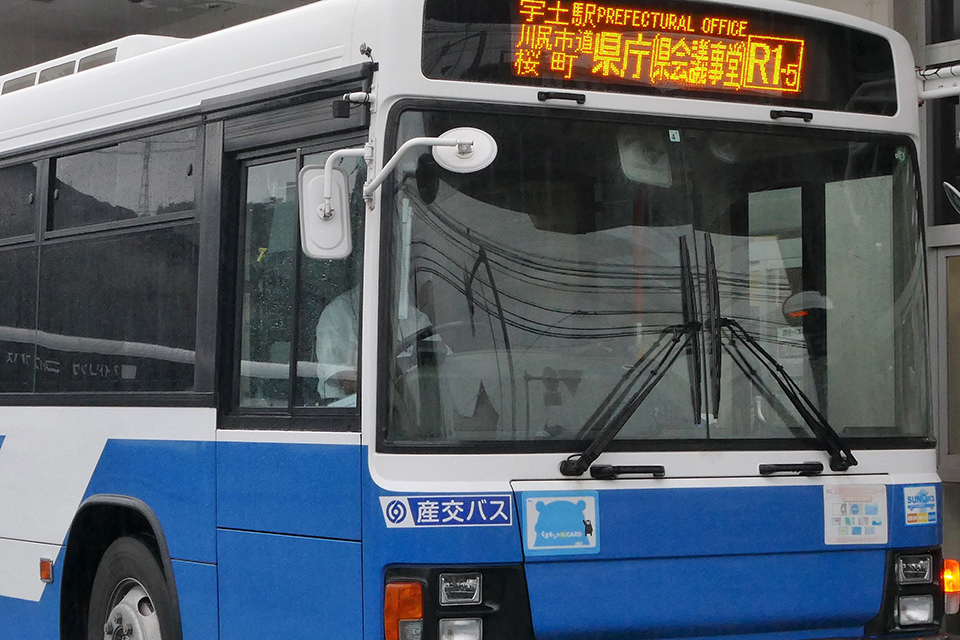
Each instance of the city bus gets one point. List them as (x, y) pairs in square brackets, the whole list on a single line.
[(458, 320)]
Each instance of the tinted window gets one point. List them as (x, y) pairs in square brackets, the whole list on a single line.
[(17, 188), (59, 71), (943, 22), (19, 83), (97, 59), (133, 180), (18, 276), (119, 313)]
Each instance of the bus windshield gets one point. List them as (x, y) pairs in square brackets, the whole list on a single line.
[(523, 293)]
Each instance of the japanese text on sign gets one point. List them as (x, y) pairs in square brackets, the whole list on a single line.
[(592, 41), (447, 510)]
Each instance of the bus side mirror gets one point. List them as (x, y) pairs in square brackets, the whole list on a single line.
[(324, 227)]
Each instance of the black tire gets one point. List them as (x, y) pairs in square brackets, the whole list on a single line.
[(130, 583)]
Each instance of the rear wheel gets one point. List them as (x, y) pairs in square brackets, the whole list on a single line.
[(129, 599)]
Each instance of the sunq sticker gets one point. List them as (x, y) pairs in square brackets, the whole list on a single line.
[(855, 514), (920, 504), (557, 523)]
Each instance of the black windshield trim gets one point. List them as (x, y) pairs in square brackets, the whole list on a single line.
[(642, 446)]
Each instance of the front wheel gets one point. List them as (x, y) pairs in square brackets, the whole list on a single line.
[(130, 599)]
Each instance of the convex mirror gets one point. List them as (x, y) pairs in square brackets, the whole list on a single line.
[(466, 158)]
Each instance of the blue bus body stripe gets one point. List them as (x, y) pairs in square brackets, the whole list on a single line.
[(299, 489), (26, 619), (673, 597), (197, 593), (175, 479), (274, 586)]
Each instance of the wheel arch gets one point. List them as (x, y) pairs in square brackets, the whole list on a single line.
[(99, 521)]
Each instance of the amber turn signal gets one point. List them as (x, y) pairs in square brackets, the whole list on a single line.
[(403, 611)]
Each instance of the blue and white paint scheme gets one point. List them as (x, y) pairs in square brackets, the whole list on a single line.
[(291, 528)]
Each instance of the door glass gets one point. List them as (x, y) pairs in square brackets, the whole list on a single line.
[(328, 310), (280, 284), (270, 241)]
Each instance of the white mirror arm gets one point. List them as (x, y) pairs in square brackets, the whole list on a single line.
[(464, 148), (326, 209)]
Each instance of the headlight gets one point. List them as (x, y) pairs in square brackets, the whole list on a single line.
[(461, 629), (915, 569), (460, 588), (914, 610)]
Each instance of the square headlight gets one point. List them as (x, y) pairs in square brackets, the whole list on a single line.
[(914, 610), (915, 569), (461, 629), (460, 588)]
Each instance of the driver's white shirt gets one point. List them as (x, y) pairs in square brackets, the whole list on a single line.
[(338, 340)]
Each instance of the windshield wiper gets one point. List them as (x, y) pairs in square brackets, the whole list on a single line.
[(841, 458), (648, 370)]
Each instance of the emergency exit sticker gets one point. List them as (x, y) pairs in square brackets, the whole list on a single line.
[(855, 514), (920, 504)]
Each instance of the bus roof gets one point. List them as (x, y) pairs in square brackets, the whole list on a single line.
[(155, 76), (93, 57)]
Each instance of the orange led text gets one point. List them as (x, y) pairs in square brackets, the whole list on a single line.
[(587, 40)]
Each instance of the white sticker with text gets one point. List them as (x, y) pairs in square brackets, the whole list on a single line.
[(855, 514)]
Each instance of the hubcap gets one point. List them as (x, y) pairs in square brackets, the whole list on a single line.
[(132, 615)]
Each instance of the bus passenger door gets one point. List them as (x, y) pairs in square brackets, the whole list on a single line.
[(288, 447)]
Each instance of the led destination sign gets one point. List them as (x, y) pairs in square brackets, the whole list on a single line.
[(644, 46)]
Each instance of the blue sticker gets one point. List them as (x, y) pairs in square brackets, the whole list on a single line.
[(447, 510), (561, 522)]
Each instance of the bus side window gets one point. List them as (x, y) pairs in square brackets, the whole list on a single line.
[(329, 309), (299, 317)]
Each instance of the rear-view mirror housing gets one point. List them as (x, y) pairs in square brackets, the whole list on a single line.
[(324, 232)]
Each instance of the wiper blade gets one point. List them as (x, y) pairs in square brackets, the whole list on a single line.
[(623, 400), (655, 363), (753, 376), (689, 303), (713, 325), (841, 458)]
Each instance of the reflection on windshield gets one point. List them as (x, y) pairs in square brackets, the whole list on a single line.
[(546, 276)]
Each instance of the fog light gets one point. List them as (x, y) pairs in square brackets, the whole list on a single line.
[(915, 569), (460, 588), (951, 603), (912, 610), (461, 629), (411, 629)]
